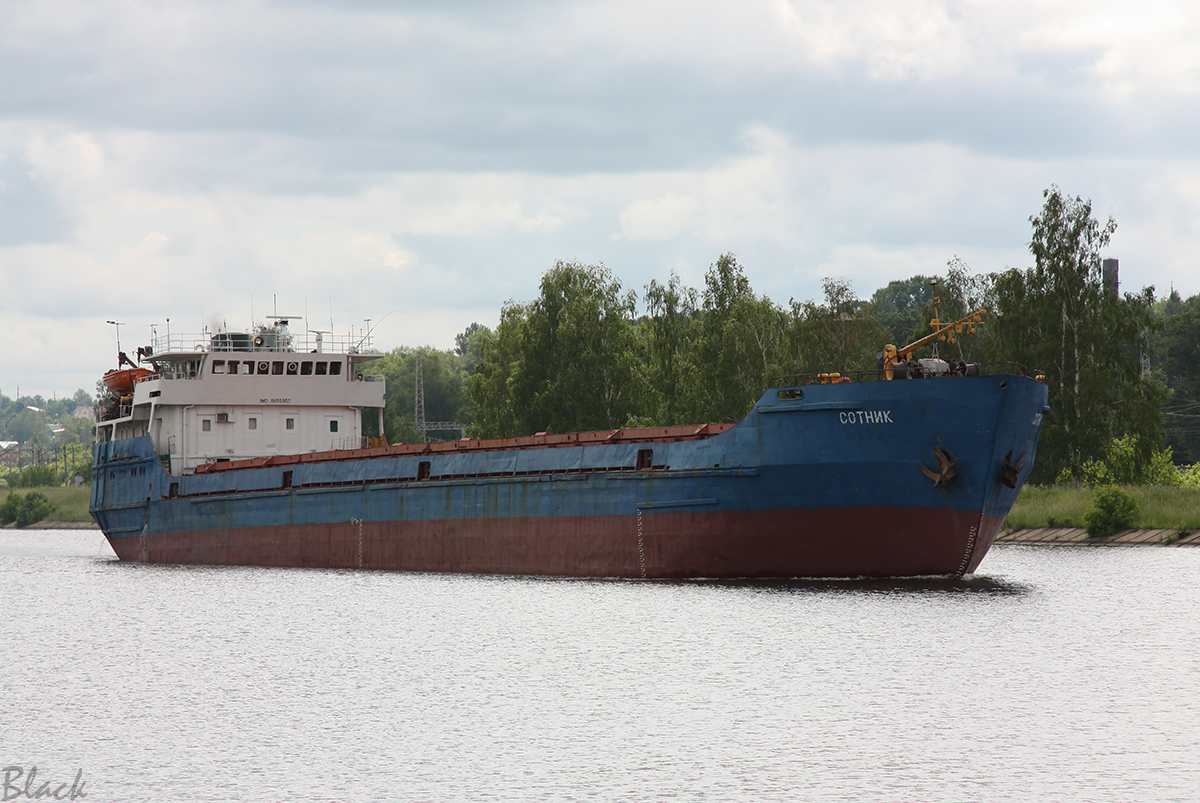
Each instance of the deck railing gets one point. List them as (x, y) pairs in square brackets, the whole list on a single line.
[(113, 411), (298, 342)]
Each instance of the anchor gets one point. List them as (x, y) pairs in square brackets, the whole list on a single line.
[(946, 469), (1010, 471)]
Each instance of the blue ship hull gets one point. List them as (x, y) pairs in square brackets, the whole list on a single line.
[(818, 481)]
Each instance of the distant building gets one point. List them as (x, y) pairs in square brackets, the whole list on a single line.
[(84, 411)]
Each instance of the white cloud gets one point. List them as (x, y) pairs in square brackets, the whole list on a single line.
[(69, 161), (657, 218), (182, 159), (152, 243), (1147, 47)]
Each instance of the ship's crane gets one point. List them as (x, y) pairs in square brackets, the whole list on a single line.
[(893, 357)]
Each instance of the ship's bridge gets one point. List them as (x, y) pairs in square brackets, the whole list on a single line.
[(213, 397)]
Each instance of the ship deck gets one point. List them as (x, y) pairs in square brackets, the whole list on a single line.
[(539, 441)]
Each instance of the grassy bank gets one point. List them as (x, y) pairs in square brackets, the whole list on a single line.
[(70, 504), (1162, 507)]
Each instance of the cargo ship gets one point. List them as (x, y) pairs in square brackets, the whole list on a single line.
[(248, 449)]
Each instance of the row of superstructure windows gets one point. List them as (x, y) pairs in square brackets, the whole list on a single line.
[(252, 423), (277, 367)]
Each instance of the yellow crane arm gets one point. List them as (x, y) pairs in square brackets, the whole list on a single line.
[(893, 356)]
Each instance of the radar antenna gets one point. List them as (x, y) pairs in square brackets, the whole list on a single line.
[(320, 333)]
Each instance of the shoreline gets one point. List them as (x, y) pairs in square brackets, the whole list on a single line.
[(1077, 536), (50, 524)]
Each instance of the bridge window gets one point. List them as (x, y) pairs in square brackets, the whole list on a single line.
[(277, 368), (322, 368), (218, 366), (335, 368), (306, 368), (293, 368)]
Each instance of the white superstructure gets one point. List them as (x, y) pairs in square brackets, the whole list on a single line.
[(233, 396)]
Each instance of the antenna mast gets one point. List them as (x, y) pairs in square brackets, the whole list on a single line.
[(117, 324)]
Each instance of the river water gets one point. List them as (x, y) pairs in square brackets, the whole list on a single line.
[(1056, 674)]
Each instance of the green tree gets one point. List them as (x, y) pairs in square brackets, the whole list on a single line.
[(35, 477), (740, 343), (901, 307), (10, 507), (963, 293), (1112, 509), (462, 340), (671, 312), (25, 510), (77, 462), (74, 430), (1058, 317), (564, 362), (24, 424), (1121, 465), (33, 508), (1178, 349), (445, 384), (468, 345), (502, 395), (960, 293), (841, 334)]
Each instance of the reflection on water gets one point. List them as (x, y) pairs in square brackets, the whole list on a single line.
[(1056, 674), (917, 585)]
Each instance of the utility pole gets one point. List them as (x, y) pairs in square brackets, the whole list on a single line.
[(420, 402), (425, 427)]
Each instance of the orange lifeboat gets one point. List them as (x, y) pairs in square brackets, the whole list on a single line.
[(121, 380)]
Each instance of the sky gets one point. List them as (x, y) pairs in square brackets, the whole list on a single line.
[(417, 164)]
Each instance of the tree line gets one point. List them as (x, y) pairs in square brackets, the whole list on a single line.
[(53, 444), (583, 356), (51, 422)]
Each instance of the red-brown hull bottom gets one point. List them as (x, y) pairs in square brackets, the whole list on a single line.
[(831, 542)]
